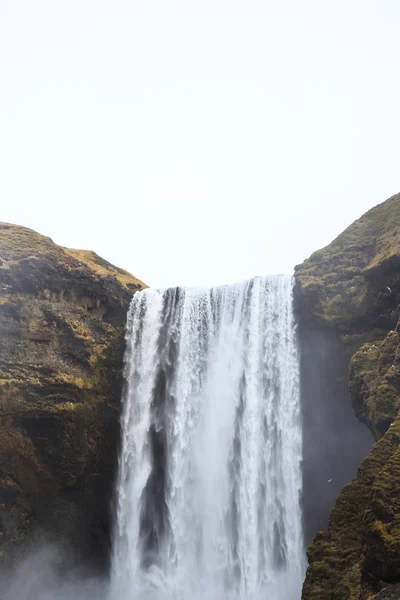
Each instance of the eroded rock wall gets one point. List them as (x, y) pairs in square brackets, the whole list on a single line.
[(62, 318), (351, 289)]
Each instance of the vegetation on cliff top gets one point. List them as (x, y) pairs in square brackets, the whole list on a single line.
[(347, 283), (353, 287), (62, 318), (22, 244)]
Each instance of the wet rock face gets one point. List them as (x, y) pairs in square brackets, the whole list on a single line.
[(62, 318), (334, 441), (351, 289)]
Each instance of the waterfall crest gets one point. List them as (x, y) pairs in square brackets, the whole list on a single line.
[(210, 465)]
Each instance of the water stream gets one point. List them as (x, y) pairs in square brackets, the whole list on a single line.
[(210, 466)]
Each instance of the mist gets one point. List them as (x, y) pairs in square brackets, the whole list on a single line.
[(49, 572)]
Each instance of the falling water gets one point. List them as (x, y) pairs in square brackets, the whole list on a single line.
[(210, 475)]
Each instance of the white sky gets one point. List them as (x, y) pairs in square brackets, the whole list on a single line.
[(197, 141)]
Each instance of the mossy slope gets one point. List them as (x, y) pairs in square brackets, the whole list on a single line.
[(62, 317), (352, 287), (359, 554), (354, 283)]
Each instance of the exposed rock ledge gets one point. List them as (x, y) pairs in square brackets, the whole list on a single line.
[(352, 288), (62, 317)]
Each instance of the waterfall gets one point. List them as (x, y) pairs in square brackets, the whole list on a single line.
[(210, 465)]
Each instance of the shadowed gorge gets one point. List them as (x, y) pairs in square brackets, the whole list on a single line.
[(334, 441)]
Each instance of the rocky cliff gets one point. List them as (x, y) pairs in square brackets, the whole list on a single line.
[(62, 317), (350, 292)]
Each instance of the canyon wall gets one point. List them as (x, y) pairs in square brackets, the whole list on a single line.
[(348, 295), (62, 319)]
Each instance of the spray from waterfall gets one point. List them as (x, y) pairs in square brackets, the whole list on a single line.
[(210, 465)]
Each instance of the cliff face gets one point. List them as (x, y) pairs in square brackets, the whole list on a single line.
[(351, 290), (352, 284), (62, 318)]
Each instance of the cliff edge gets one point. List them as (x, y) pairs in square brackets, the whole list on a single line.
[(62, 318), (351, 289)]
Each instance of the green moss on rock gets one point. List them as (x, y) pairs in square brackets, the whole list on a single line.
[(342, 561), (352, 287), (355, 280), (375, 382), (62, 318)]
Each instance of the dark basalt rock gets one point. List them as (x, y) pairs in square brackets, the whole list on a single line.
[(62, 318), (350, 291)]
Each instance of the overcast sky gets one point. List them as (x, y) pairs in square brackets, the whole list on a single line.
[(197, 142)]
